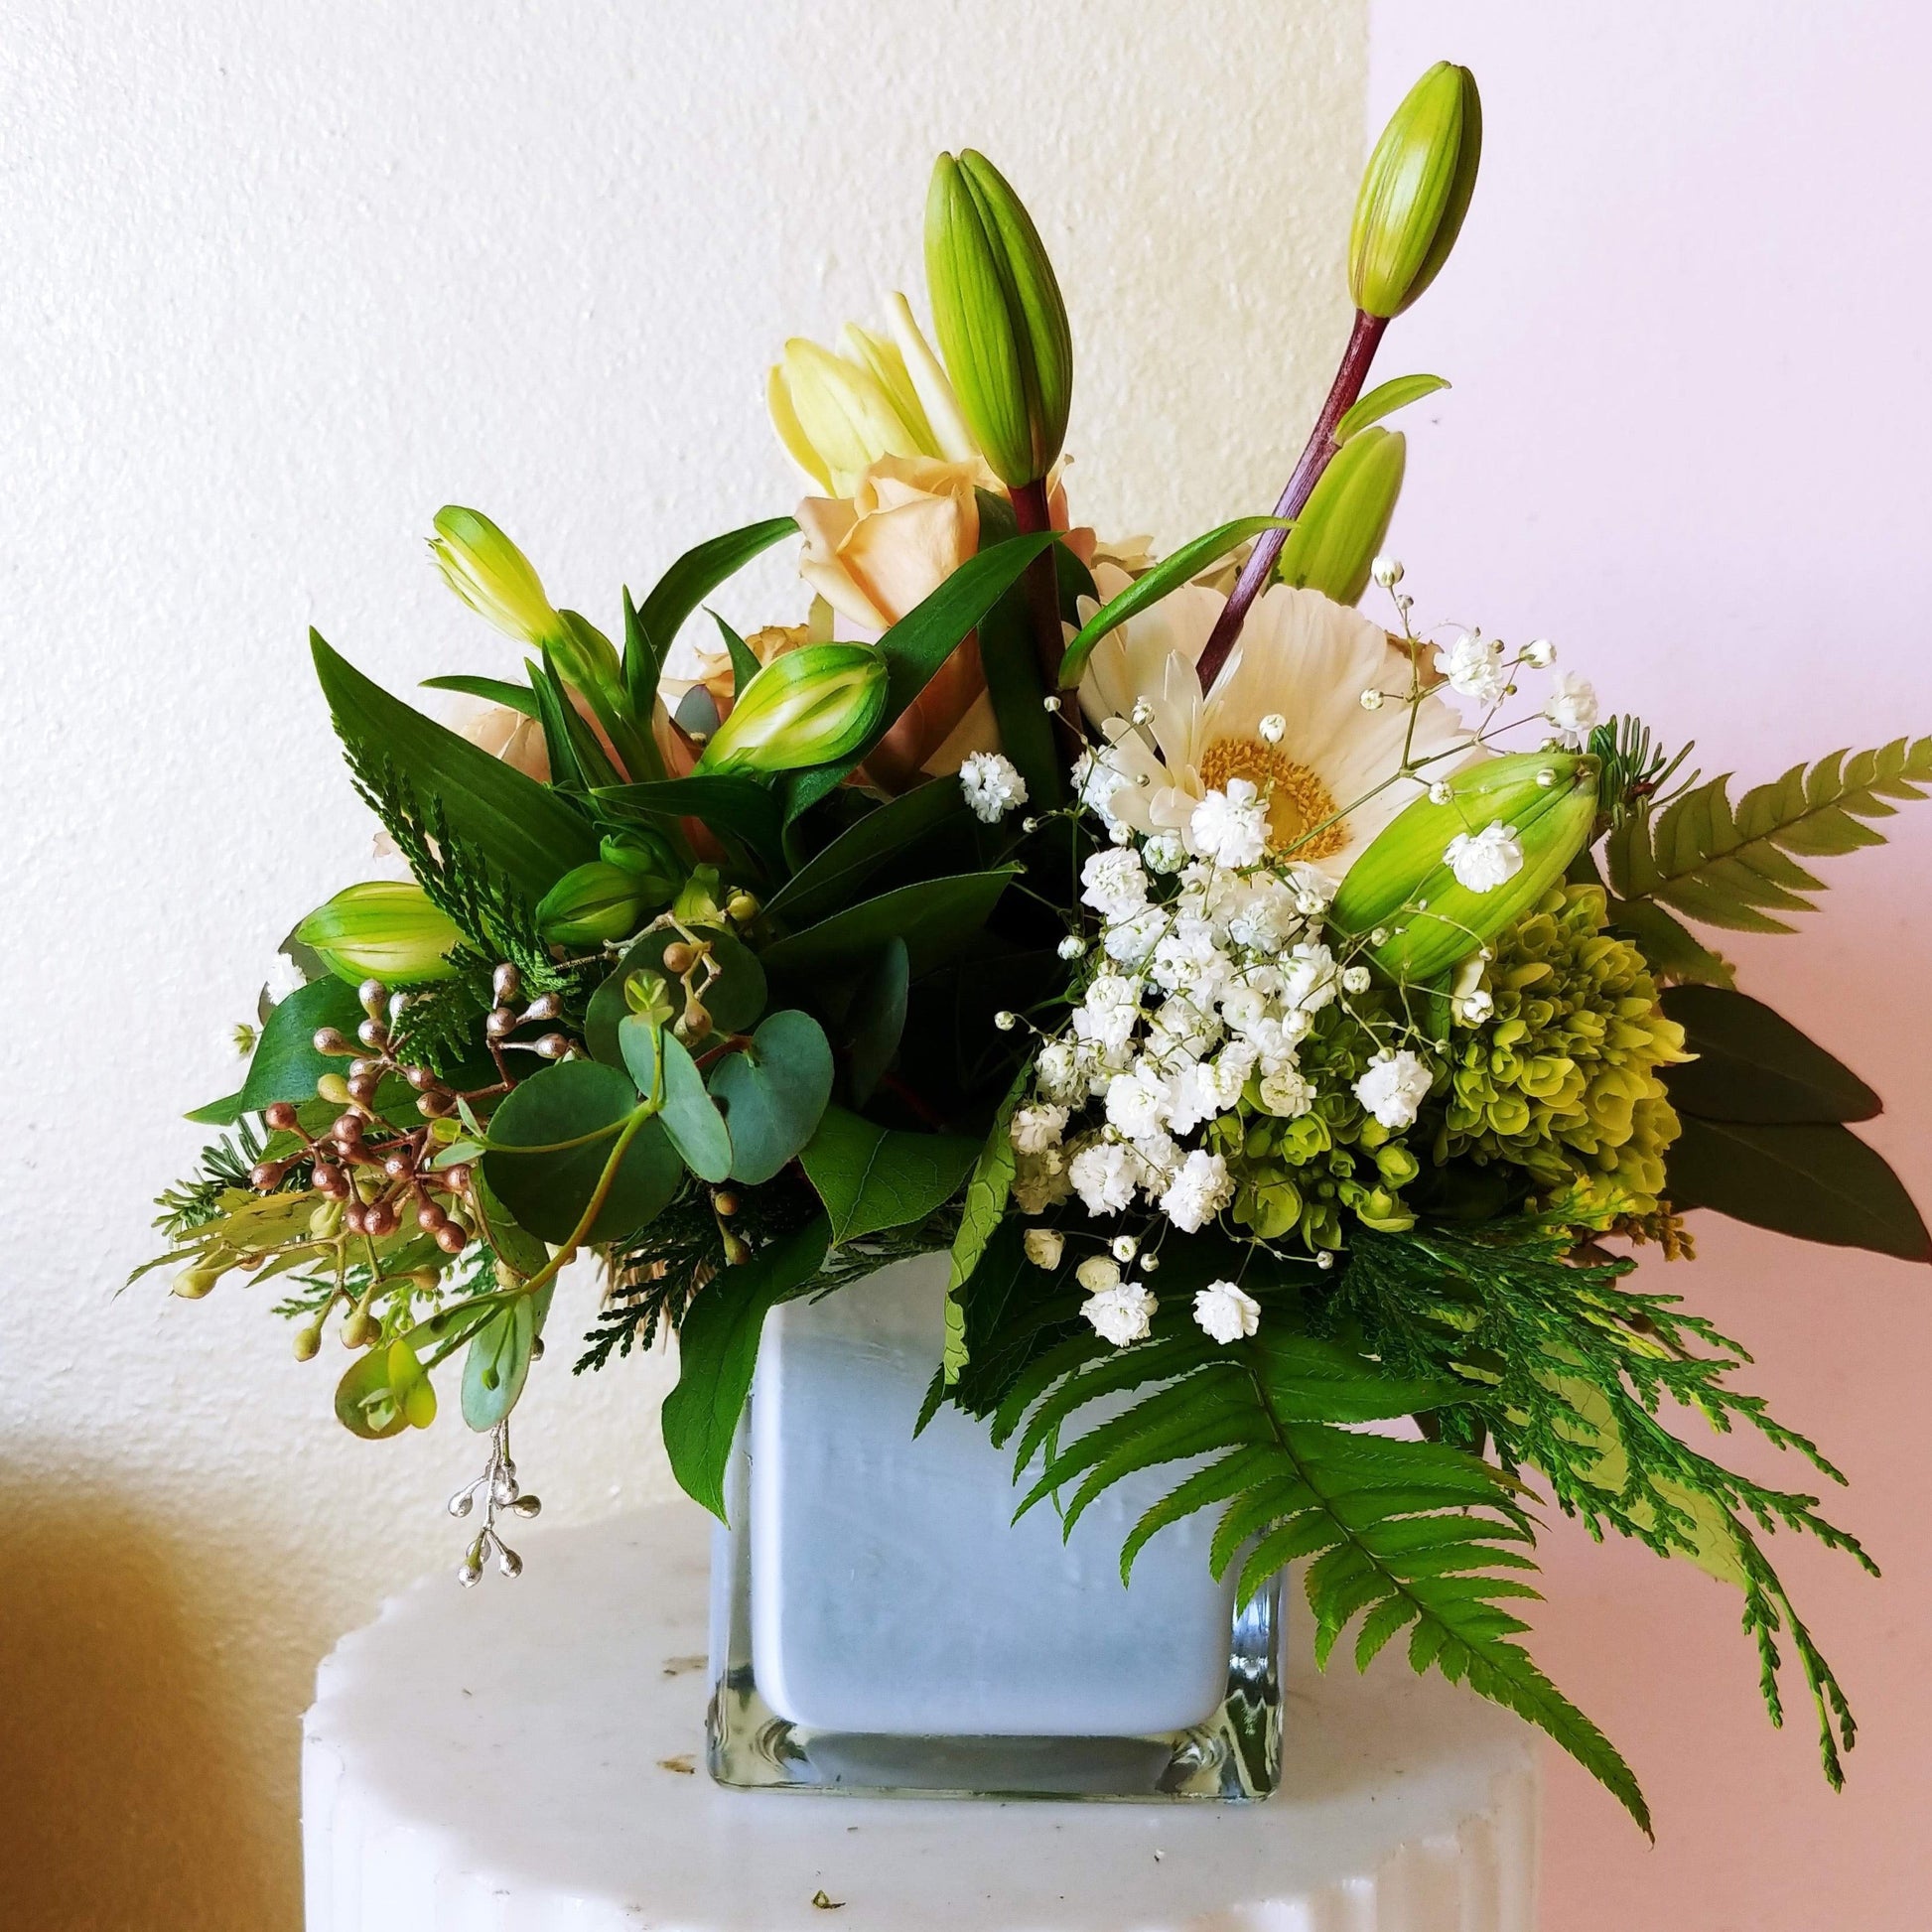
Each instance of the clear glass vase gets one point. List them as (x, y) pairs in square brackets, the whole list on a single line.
[(879, 1624)]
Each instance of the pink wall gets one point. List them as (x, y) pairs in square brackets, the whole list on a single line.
[(1688, 440)]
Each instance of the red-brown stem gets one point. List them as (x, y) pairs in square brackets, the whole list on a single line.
[(1363, 340), (1032, 512)]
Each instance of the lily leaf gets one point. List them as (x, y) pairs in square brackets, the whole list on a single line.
[(832, 877), (493, 690), (932, 917), (1384, 400)]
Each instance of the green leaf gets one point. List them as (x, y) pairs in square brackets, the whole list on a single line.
[(1384, 400), (872, 1177), (773, 1092), (920, 641), (984, 1208), (651, 628), (1753, 1065), (524, 829), (740, 806), (495, 690), (1016, 684), (384, 1392), (933, 917), (1816, 1181), (744, 659), (499, 1361), (718, 1348), (696, 1128), (1168, 575), (876, 1020), (553, 1135), (832, 877), (577, 761), (285, 1065), (1734, 866), (735, 999)]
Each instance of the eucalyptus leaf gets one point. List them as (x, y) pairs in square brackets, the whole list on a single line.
[(1168, 575), (529, 831), (551, 1140), (1384, 400), (932, 917), (1817, 1180), (659, 1064), (773, 1092), (872, 1177), (1753, 1065), (718, 1346), (499, 1361)]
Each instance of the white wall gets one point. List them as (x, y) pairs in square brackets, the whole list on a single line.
[(279, 282), (1688, 440)]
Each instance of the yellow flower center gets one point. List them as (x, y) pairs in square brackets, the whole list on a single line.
[(1298, 800)]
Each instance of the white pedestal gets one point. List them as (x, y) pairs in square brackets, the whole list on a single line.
[(528, 1757)]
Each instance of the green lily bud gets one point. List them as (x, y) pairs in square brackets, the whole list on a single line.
[(1509, 826), (808, 707), (1416, 191), (492, 576), (649, 859), (591, 905), (999, 315), (1341, 526), (386, 929)]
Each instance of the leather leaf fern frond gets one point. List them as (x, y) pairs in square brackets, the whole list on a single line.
[(1404, 1535), (1739, 866)]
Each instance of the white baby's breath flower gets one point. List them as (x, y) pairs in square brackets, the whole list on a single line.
[(1474, 1006), (1095, 781), (1226, 1312), (1104, 1175), (1121, 1315), (1058, 1072), (1308, 979), (1113, 883), (1033, 1130), (1230, 827), (1286, 1092), (1484, 860), (1394, 1088), (1044, 1246), (1355, 979), (1473, 666), (1041, 1181), (1130, 941), (1098, 1272), (1138, 1102), (992, 784), (1109, 1012), (1164, 853), (1198, 1192), (1571, 708)]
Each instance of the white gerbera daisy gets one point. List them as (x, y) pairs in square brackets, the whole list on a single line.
[(1302, 661)]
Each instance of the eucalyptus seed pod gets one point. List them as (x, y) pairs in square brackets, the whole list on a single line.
[(1416, 191), (999, 317), (1405, 889), (808, 707)]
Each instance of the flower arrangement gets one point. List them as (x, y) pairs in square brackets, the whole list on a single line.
[(1290, 1018)]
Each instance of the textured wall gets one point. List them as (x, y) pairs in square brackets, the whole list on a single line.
[(1687, 440), (279, 282)]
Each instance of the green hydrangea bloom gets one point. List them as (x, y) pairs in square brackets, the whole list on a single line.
[(1296, 1178), (1560, 1078)]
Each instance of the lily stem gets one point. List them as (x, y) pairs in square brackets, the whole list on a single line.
[(1363, 340), (1031, 512)]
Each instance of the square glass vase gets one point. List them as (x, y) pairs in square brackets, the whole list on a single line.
[(878, 1623)]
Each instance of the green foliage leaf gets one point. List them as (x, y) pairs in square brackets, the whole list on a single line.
[(876, 1020), (1753, 1065), (692, 1120), (1403, 1534), (832, 877), (1016, 684), (773, 1093), (651, 628), (984, 1208), (1816, 1181), (285, 1065), (920, 641), (872, 1177), (718, 1348), (498, 1362), (1738, 867), (733, 1000), (1384, 400), (1168, 575), (1674, 954), (933, 917), (551, 1140), (384, 1392), (744, 659), (493, 690), (526, 830)]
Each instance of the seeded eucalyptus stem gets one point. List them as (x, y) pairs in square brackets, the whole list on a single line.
[(1363, 340)]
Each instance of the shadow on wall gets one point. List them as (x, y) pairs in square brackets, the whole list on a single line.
[(128, 1801)]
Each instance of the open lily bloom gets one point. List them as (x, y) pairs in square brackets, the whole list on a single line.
[(1333, 780)]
